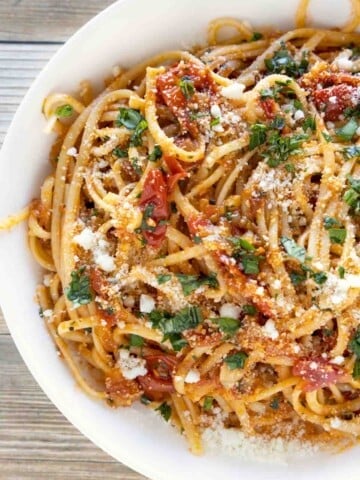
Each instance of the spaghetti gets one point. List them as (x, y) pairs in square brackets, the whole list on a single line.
[(200, 232)]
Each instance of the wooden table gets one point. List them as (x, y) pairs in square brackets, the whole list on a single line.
[(36, 441)]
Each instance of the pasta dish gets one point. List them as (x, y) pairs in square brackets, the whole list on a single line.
[(200, 234)]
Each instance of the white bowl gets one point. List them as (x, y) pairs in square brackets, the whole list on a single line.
[(125, 33)]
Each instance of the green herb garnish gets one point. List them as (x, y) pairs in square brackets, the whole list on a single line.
[(136, 340), (237, 360), (187, 87), (155, 154), (163, 279), (283, 62), (208, 403), (64, 111), (347, 132), (229, 326), (79, 290), (293, 249), (165, 411), (190, 283)]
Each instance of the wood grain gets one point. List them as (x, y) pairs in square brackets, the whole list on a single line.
[(45, 20), (36, 441)]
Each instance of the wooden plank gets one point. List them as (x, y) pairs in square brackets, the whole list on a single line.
[(36, 442), (19, 65), (40, 20)]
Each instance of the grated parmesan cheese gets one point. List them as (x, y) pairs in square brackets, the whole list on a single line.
[(256, 448), (343, 62), (72, 152), (230, 310)]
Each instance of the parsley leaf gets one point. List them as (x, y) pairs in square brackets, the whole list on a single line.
[(190, 283), (319, 277), (64, 111), (240, 243), (309, 123), (165, 411), (341, 271), (227, 325), (351, 152), (120, 153), (347, 132), (176, 340), (337, 235), (136, 340), (297, 278), (293, 249), (155, 154), (352, 195), (356, 369), (163, 279), (185, 319), (129, 118), (208, 403), (256, 36), (327, 137), (237, 360), (145, 400), (274, 404), (79, 290), (243, 250), (257, 135), (249, 309), (280, 148), (187, 87), (330, 222), (354, 344), (136, 140), (283, 62)]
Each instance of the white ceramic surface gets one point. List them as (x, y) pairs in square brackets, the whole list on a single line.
[(125, 33)]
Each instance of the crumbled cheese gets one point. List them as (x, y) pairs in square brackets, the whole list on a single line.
[(260, 291), (230, 310), (299, 115), (296, 348), (131, 367), (313, 365), (147, 303), (337, 289), (333, 99), (269, 329), (338, 360), (121, 324), (215, 111), (193, 376), (87, 239), (234, 91), (103, 322), (343, 62), (218, 128), (276, 284), (256, 448), (72, 152), (47, 313), (104, 260)]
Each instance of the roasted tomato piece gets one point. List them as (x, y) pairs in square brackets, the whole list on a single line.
[(317, 372), (334, 100), (153, 202)]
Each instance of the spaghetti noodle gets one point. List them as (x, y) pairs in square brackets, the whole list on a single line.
[(200, 232)]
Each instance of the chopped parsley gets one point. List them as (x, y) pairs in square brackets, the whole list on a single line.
[(347, 132), (79, 290), (185, 319), (280, 148), (256, 36), (133, 120), (64, 111), (352, 195), (237, 360), (341, 272), (136, 340), (297, 278), (155, 154), (165, 411), (190, 283), (120, 152), (229, 326), (351, 152), (274, 404), (163, 279), (337, 232), (278, 123), (257, 135), (309, 124), (354, 346), (249, 309), (283, 62), (208, 403), (293, 249), (187, 87), (214, 122), (244, 251), (327, 137)]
